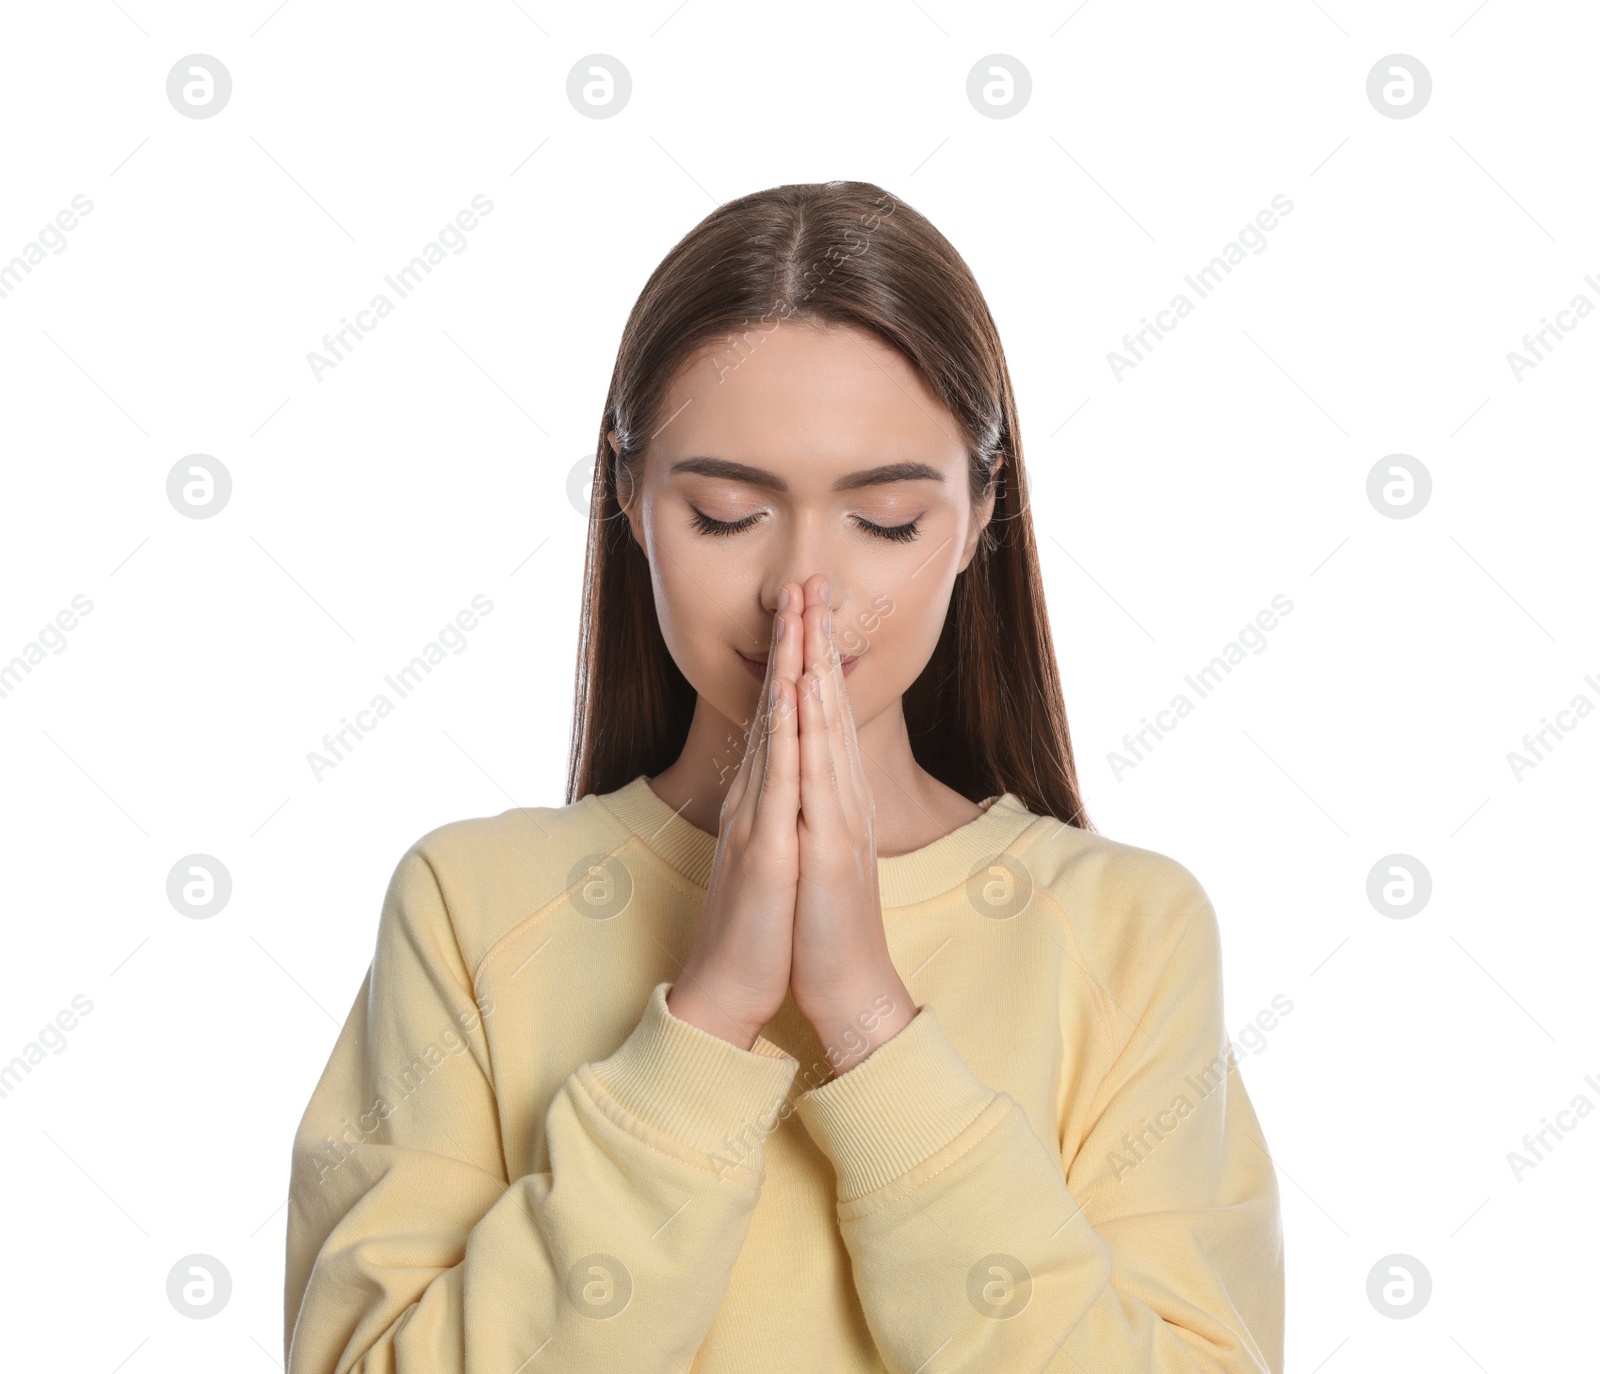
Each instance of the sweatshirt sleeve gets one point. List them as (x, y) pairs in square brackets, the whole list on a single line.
[(410, 1250), (1159, 1251)]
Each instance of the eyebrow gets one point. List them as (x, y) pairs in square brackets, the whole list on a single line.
[(760, 477)]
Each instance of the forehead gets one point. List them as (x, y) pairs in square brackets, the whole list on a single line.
[(825, 399)]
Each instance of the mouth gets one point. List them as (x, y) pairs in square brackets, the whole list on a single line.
[(758, 668)]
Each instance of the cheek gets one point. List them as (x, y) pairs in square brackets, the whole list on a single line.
[(899, 629), (700, 629), (680, 601)]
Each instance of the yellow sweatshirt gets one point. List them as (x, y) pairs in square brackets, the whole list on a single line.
[(518, 1161)]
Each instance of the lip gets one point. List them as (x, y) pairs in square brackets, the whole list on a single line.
[(759, 670)]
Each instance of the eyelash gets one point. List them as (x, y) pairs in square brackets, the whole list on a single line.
[(900, 534)]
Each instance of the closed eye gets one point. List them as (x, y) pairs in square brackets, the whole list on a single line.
[(902, 534), (706, 525), (723, 528)]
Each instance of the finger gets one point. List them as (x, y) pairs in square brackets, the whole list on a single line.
[(841, 718), (820, 804), (783, 657), (752, 759), (789, 650), (778, 805), (823, 661), (782, 717)]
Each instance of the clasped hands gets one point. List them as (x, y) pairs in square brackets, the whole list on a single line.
[(793, 902)]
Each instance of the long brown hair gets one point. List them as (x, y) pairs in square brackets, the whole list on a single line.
[(986, 715)]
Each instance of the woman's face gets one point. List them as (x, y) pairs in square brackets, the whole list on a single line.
[(802, 451)]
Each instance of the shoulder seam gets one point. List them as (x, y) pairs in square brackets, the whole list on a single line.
[(516, 927), (486, 1067), (1155, 988), (450, 919), (1102, 994), (495, 944)]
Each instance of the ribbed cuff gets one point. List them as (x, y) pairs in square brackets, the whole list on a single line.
[(905, 1101), (694, 1086)]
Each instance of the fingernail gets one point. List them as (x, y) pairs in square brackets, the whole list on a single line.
[(824, 590), (783, 598), (777, 632)]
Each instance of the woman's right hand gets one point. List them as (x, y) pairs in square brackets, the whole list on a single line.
[(737, 972)]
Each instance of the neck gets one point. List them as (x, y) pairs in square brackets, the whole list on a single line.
[(906, 797)]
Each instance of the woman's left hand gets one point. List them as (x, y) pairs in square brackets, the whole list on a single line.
[(843, 980)]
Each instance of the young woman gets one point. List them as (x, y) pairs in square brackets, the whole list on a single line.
[(819, 1031)]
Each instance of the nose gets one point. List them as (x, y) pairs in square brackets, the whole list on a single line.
[(810, 546), (818, 584)]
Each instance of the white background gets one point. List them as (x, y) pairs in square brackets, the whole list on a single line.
[(370, 506)]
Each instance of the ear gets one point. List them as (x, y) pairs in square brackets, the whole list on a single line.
[(627, 493), (982, 513)]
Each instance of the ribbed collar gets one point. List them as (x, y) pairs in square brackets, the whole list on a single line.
[(903, 879)]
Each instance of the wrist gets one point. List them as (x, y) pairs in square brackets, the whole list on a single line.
[(688, 1002), (851, 1028)]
